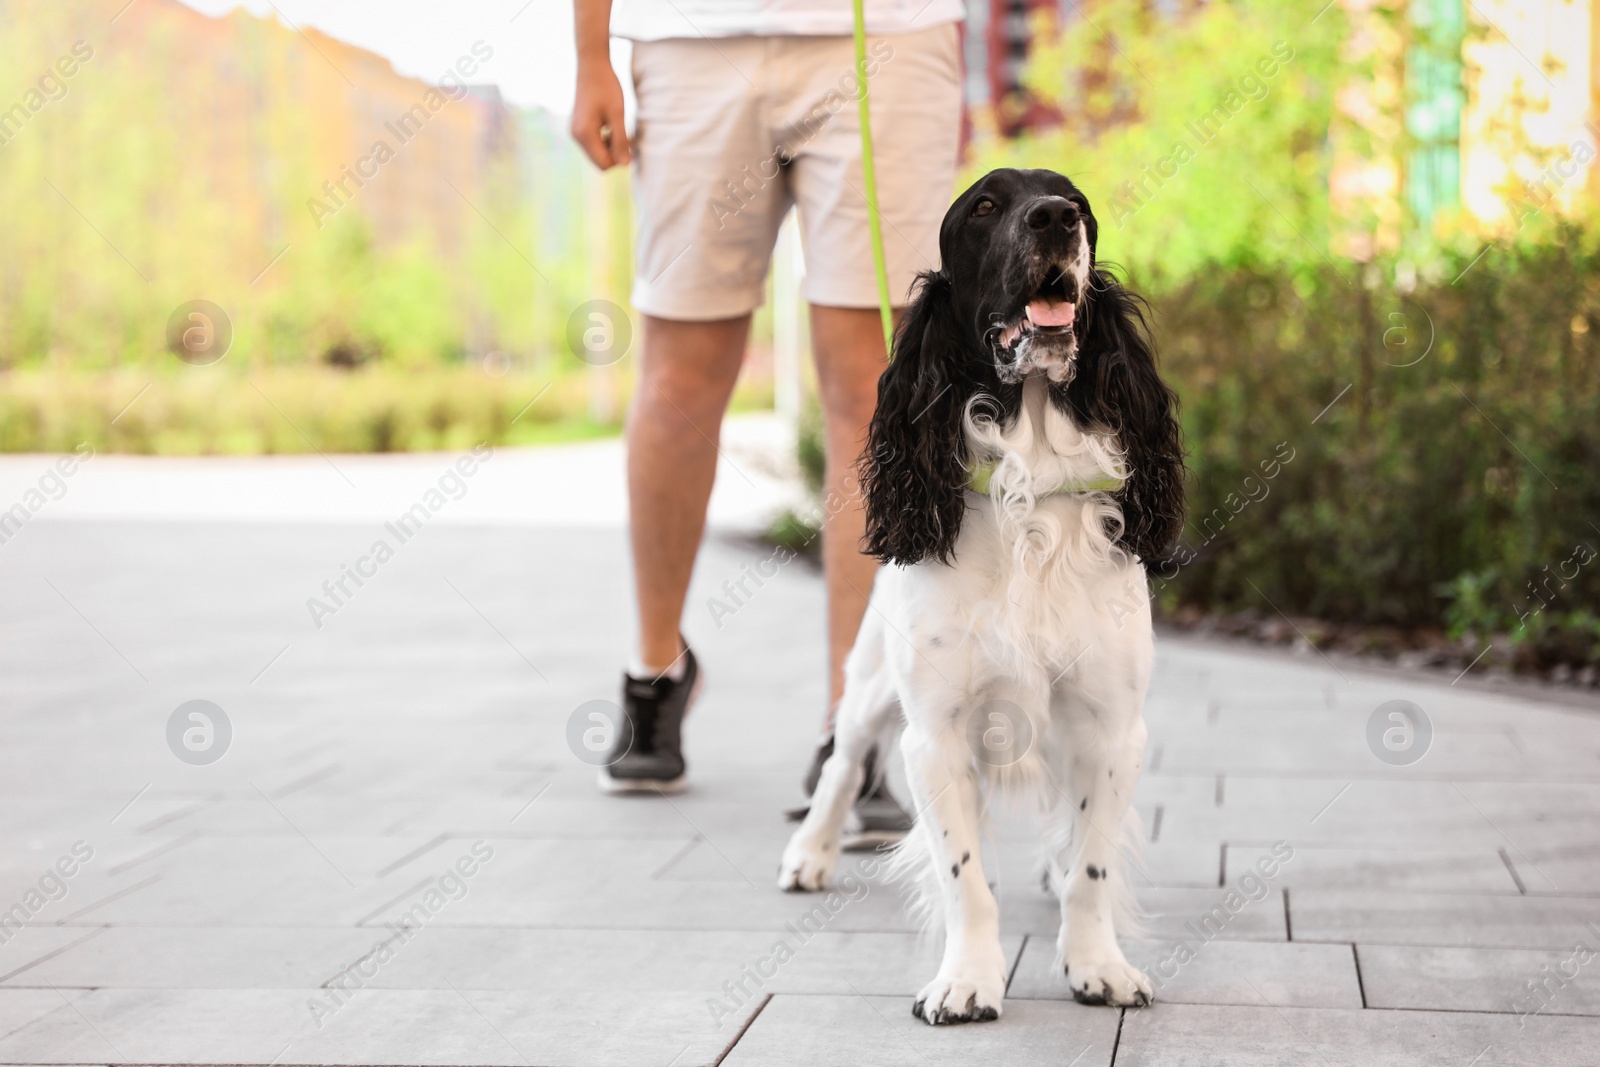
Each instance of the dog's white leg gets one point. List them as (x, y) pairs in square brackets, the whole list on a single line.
[(813, 849), (1105, 735), (971, 982)]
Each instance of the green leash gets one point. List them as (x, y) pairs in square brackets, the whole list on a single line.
[(870, 179)]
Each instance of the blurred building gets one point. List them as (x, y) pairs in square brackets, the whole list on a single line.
[(1484, 111), (285, 124), (442, 145), (999, 33), (1531, 113), (999, 41)]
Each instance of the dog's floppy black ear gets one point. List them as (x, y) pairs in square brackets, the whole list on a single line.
[(1119, 387), (914, 469)]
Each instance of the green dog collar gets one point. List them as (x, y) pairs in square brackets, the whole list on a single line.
[(981, 475)]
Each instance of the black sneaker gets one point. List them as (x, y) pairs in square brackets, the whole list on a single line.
[(877, 819), (647, 756)]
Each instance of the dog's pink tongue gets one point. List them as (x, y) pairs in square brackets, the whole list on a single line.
[(1050, 312)]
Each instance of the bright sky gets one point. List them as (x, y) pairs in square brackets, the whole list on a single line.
[(532, 39)]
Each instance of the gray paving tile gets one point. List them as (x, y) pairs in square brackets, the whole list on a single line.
[(1365, 813), (1180, 862), (1314, 810), (219, 881), (154, 1026), (717, 807), (608, 884), (1170, 914), (555, 799), (1157, 786), (460, 1026), (1410, 918), (1484, 979), (1196, 1035), (1479, 870), (583, 1029), (198, 957), (1537, 812), (733, 858), (25, 948), (545, 961), (825, 1031), (1214, 972), (22, 1007), (1335, 744), (1570, 868), (895, 964)]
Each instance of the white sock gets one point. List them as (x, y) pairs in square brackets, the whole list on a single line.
[(639, 670)]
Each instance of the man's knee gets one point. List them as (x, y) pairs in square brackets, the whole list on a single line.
[(848, 411), (692, 366), (696, 391)]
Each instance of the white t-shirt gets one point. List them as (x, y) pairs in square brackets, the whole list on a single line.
[(655, 20)]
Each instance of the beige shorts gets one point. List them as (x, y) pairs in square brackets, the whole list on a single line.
[(734, 131)]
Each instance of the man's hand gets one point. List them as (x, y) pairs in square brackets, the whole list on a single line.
[(597, 118), (597, 110)]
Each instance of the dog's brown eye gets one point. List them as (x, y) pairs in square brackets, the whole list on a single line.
[(984, 206)]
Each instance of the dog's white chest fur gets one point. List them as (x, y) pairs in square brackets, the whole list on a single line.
[(1037, 573)]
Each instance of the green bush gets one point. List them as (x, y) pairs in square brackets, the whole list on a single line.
[(1437, 451), (1199, 138), (223, 411)]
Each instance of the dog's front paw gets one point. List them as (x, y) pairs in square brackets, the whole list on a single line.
[(960, 998), (1108, 981), (806, 867)]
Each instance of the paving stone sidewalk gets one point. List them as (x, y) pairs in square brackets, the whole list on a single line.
[(411, 757)]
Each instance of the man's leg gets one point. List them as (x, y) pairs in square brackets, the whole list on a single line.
[(848, 343), (686, 376)]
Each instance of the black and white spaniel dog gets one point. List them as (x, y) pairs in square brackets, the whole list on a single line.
[(1023, 467)]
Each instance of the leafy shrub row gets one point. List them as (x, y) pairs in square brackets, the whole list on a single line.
[(207, 411), (1442, 441)]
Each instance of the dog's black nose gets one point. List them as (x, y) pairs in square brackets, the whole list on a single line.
[(1049, 212)]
